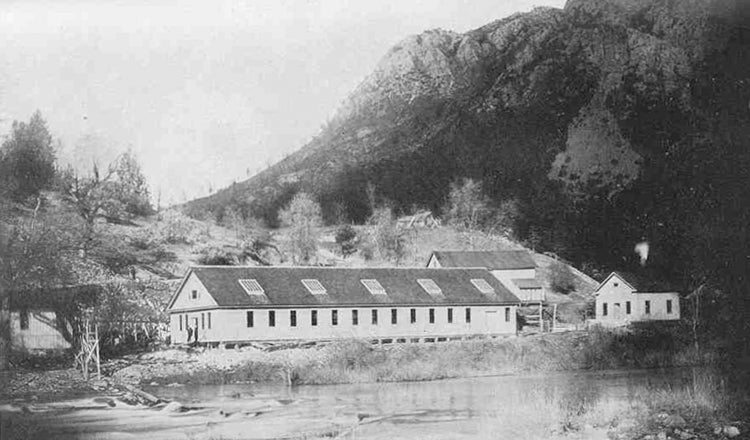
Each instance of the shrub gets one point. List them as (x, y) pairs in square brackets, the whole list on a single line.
[(177, 228), (562, 279), (143, 241), (346, 238), (212, 256)]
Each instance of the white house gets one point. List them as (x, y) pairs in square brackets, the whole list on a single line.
[(623, 298), (515, 269), (232, 304)]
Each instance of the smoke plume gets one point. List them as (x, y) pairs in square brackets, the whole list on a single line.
[(642, 250)]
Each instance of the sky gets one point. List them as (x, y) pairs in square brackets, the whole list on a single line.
[(203, 93)]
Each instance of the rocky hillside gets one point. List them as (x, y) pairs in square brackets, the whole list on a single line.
[(605, 116)]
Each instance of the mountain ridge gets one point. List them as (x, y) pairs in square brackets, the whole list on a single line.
[(548, 108)]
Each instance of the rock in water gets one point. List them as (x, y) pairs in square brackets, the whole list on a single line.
[(100, 383), (674, 421), (106, 400), (173, 407)]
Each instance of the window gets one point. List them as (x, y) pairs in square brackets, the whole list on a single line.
[(272, 318), (355, 317), (180, 322), (604, 309), (507, 314), (250, 319), (468, 315), (430, 286), (482, 285), (314, 287), (252, 287), (616, 284), (313, 318), (203, 321), (334, 317), (413, 315), (293, 318), (24, 319), (374, 317), (394, 316), (209, 319), (450, 316), (627, 307), (669, 306), (648, 307), (194, 294), (432, 316), (373, 286)]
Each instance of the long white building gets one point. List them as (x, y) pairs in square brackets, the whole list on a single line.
[(231, 304)]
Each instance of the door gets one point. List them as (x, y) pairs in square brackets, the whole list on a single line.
[(617, 312)]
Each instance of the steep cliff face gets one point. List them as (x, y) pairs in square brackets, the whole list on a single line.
[(595, 99)]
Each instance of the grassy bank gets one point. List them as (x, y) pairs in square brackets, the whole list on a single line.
[(355, 361), (706, 407)]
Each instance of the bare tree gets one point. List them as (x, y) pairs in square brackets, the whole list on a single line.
[(467, 206), (389, 239), (87, 195), (303, 216)]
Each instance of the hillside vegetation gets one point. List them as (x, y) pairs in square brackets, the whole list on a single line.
[(599, 126)]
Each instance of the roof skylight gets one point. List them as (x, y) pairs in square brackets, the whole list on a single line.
[(315, 287), (482, 285), (430, 286), (374, 287), (252, 287)]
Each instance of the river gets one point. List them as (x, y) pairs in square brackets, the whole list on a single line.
[(533, 406)]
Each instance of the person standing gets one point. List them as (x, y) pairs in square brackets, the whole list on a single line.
[(189, 333)]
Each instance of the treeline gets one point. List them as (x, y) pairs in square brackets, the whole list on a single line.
[(29, 164)]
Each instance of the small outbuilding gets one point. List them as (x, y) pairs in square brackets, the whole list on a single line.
[(40, 318), (516, 269), (625, 297)]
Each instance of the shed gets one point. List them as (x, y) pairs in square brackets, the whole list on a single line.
[(34, 315)]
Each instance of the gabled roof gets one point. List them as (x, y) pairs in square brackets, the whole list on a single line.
[(491, 260), (640, 283), (283, 286)]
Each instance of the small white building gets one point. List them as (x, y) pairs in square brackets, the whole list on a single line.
[(232, 304), (515, 269), (34, 325), (623, 298)]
